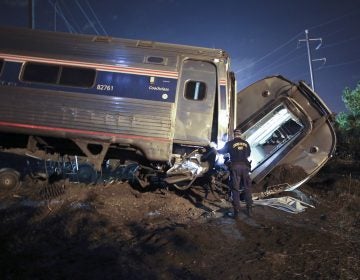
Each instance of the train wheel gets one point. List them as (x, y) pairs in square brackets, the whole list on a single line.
[(9, 179)]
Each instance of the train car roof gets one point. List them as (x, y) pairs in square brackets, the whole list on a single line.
[(24, 41)]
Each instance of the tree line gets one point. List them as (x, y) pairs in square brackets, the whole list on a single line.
[(348, 125)]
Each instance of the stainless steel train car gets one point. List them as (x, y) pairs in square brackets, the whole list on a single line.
[(160, 105)]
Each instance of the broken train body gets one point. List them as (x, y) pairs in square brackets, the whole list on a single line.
[(103, 100)]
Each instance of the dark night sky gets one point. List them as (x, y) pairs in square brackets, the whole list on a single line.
[(261, 36)]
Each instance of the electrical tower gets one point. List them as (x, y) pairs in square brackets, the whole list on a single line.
[(308, 40)]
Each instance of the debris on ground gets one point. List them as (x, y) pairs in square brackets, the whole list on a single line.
[(119, 232), (285, 203)]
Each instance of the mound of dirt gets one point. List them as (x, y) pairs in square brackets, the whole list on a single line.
[(72, 231), (286, 173)]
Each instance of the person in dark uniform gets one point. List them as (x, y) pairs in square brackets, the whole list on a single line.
[(239, 151)]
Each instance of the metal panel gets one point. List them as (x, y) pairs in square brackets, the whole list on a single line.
[(313, 147), (115, 51), (77, 111), (194, 118), (106, 83)]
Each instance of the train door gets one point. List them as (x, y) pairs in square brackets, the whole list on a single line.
[(195, 103)]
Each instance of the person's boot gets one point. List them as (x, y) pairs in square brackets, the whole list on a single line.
[(248, 210), (234, 214)]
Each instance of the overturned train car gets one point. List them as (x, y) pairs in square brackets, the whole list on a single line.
[(108, 100)]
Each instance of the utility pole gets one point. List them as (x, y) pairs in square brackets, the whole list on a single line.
[(307, 40), (31, 5)]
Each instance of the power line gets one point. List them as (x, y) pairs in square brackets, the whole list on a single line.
[(341, 64), (334, 32), (287, 62), (269, 53), (68, 11), (330, 66), (96, 18), (294, 77), (274, 67), (61, 14), (59, 9), (335, 19), (87, 17), (342, 42), (274, 64), (312, 27)]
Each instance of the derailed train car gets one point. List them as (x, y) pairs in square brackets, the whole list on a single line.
[(102, 99)]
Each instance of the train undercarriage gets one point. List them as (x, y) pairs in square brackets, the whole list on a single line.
[(54, 159)]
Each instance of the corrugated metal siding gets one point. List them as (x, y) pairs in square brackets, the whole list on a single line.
[(84, 112)]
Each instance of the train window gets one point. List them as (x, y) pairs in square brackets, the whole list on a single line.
[(79, 77), (222, 98), (1, 65), (57, 74), (195, 90), (273, 131), (41, 73)]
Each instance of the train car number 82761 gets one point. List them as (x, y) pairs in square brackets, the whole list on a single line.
[(105, 87)]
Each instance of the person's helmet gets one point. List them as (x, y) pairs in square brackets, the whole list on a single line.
[(237, 133)]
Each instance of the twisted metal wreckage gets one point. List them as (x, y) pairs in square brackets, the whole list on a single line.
[(80, 106)]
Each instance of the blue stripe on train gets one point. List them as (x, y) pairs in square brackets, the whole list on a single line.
[(107, 83)]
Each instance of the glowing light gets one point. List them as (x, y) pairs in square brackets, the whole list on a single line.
[(266, 130), (223, 117), (221, 144), (258, 135)]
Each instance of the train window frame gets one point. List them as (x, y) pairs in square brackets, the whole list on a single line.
[(2, 64), (58, 81), (192, 96), (263, 117), (148, 59), (71, 68), (28, 64)]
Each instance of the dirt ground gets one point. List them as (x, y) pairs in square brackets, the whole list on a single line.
[(72, 231)]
